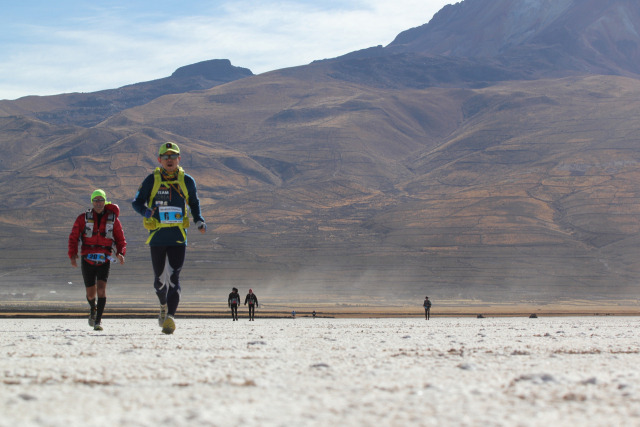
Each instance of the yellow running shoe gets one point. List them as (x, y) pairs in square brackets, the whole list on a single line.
[(169, 325), (163, 314), (97, 327)]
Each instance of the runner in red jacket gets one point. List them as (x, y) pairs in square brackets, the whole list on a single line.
[(97, 229)]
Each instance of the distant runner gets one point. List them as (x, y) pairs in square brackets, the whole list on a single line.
[(164, 199), (252, 299), (427, 308), (234, 300), (97, 229)]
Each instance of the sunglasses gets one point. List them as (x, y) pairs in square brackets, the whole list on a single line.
[(169, 156), (96, 200)]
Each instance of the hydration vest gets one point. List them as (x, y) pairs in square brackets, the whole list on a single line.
[(152, 224), (89, 223)]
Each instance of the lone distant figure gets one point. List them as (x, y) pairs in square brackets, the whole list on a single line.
[(234, 300), (427, 308), (252, 300)]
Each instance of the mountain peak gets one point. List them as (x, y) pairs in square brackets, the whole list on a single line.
[(597, 35), (214, 69), (486, 27)]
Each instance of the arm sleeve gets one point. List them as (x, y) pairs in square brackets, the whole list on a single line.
[(139, 202), (77, 228), (118, 236), (194, 201)]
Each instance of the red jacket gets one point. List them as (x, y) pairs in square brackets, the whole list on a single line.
[(97, 243)]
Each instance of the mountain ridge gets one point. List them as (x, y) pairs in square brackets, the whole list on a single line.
[(89, 109)]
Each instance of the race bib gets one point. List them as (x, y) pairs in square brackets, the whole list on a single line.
[(96, 257), (170, 215)]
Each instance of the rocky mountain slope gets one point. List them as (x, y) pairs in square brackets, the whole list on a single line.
[(540, 36)]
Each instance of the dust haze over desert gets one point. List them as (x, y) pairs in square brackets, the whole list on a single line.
[(488, 159)]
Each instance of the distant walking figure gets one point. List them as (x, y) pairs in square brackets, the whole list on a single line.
[(314, 314), (252, 299), (234, 300), (293, 314), (427, 308)]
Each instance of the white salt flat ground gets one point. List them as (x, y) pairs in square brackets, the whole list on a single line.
[(322, 372)]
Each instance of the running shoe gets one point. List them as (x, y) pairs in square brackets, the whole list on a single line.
[(163, 314), (92, 317), (169, 325), (97, 327)]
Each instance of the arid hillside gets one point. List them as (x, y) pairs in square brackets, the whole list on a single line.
[(374, 178)]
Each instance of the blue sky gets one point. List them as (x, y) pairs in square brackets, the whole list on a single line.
[(49, 47)]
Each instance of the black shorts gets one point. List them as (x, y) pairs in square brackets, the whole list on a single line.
[(93, 272)]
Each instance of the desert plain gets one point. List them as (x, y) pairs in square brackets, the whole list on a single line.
[(463, 371)]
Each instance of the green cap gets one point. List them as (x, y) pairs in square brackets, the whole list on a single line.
[(168, 146), (99, 193)]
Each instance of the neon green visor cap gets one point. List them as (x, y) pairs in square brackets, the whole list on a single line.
[(168, 146), (99, 193)]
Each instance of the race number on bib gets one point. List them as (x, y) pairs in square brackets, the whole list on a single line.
[(96, 257), (170, 215)]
